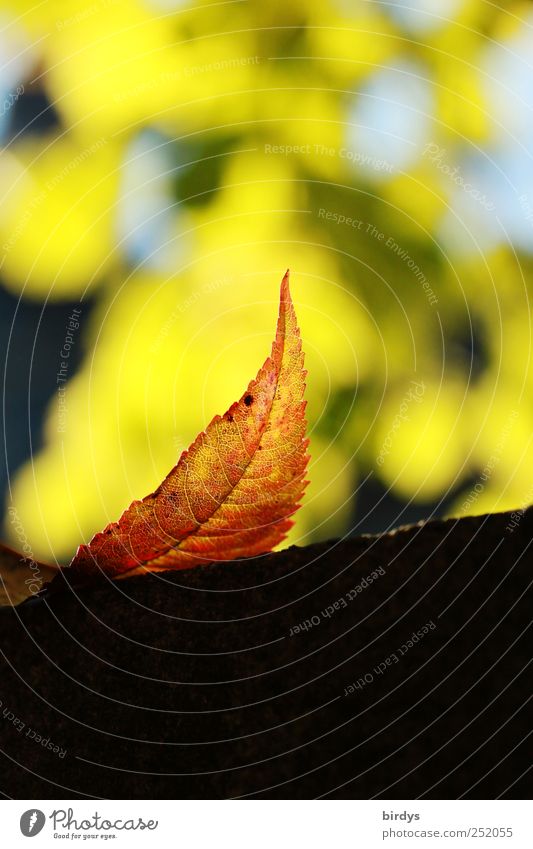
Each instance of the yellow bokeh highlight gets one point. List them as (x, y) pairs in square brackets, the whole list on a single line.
[(420, 194), (110, 65), (56, 215), (419, 440), (352, 40), (502, 454)]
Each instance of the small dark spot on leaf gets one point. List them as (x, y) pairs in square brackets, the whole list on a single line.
[(248, 399), (230, 417)]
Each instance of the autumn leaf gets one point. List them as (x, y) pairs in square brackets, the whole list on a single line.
[(233, 491)]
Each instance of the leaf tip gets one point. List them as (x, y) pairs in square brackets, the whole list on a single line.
[(285, 290)]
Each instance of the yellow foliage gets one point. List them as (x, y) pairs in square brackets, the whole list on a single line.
[(328, 506), (110, 65), (56, 215), (351, 40), (250, 104), (420, 440), (420, 194)]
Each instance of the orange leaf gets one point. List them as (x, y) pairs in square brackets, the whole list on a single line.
[(233, 492)]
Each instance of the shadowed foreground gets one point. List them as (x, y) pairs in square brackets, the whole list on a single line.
[(407, 677)]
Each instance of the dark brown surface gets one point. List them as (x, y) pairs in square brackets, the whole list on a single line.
[(190, 684)]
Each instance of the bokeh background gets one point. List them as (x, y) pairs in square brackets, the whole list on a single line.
[(163, 163)]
